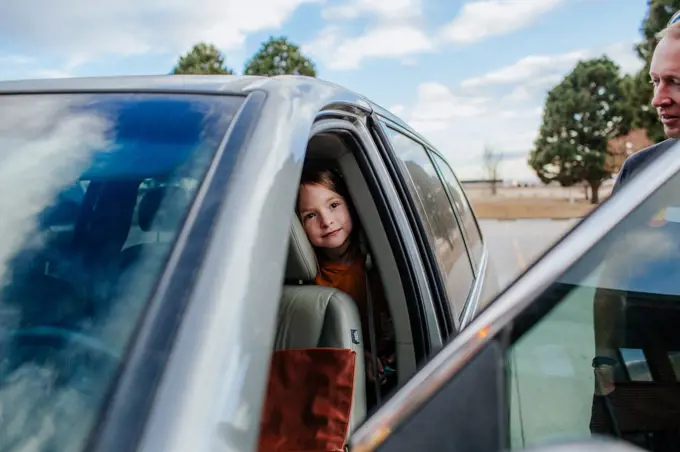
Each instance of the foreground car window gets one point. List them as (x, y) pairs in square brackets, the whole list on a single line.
[(93, 191), (605, 359)]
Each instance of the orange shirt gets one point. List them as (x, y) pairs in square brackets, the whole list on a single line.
[(351, 279)]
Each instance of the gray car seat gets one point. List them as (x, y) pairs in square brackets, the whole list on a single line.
[(316, 316)]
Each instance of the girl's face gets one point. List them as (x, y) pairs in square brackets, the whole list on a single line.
[(325, 217)]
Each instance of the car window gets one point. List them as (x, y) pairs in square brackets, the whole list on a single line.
[(93, 191), (605, 359), (462, 206), (436, 212)]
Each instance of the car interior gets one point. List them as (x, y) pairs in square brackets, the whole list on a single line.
[(314, 316), (338, 149)]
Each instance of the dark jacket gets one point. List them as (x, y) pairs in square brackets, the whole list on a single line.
[(609, 305), (639, 160)]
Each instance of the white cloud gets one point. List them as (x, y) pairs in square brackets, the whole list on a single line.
[(462, 125), (529, 113), (532, 76), (387, 41), (397, 33), (398, 109), (625, 56), (409, 61), (82, 29), (15, 60), (394, 32), (528, 69), (14, 67), (483, 19), (461, 122), (51, 73), (387, 9), (436, 102)]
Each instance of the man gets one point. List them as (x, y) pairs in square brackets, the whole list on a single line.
[(609, 305), (665, 76)]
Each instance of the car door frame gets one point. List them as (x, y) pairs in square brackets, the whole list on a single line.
[(401, 235), (492, 328)]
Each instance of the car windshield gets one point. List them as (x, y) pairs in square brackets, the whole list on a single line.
[(93, 191)]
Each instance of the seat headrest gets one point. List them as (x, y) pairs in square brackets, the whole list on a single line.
[(161, 208), (301, 264)]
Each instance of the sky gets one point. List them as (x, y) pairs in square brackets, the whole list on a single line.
[(464, 73)]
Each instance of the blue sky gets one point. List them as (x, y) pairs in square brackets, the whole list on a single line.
[(465, 73)]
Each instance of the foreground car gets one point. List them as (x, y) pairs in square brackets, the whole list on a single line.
[(145, 256)]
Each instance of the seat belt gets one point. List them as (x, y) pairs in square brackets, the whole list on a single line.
[(372, 341)]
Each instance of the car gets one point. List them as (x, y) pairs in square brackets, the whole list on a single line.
[(147, 223), (154, 271)]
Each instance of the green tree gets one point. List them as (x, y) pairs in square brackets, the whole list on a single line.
[(278, 56), (202, 59), (638, 90), (581, 115)]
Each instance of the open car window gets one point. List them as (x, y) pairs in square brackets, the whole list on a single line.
[(94, 189), (604, 359)]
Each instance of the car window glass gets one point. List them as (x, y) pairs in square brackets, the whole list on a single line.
[(462, 206), (436, 212), (605, 359), (93, 191)]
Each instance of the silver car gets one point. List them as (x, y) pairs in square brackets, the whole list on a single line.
[(152, 263)]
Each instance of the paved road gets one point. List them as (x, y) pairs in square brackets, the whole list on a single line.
[(515, 244), (551, 384)]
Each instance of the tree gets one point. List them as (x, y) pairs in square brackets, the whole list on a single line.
[(278, 56), (492, 162), (581, 115), (637, 88), (202, 59)]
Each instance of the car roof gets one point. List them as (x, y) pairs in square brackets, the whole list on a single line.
[(217, 84), (203, 84)]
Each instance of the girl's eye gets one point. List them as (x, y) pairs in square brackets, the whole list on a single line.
[(335, 204), (309, 216)]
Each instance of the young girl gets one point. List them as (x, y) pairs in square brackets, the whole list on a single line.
[(330, 222)]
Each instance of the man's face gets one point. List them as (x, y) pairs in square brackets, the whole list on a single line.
[(665, 74)]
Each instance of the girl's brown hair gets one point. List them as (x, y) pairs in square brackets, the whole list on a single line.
[(314, 173)]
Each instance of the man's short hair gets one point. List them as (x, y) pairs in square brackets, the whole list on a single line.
[(672, 29)]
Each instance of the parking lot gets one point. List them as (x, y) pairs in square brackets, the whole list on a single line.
[(515, 244)]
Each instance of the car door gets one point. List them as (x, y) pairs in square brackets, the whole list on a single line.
[(584, 344)]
